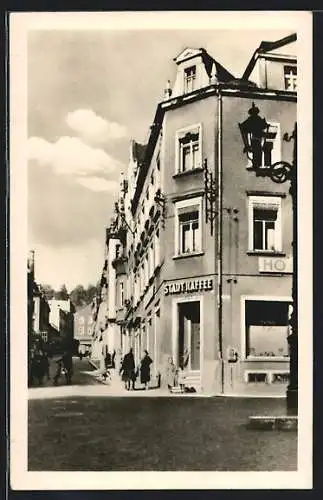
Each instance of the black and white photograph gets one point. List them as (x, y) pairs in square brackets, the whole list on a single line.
[(160, 250)]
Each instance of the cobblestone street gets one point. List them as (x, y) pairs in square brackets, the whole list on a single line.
[(91, 426)]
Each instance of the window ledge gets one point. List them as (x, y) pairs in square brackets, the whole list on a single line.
[(186, 255), (269, 253), (274, 359), (188, 172)]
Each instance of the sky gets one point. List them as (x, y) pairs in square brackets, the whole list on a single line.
[(89, 93)]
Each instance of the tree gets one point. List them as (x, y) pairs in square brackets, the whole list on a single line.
[(48, 291), (81, 297), (62, 294)]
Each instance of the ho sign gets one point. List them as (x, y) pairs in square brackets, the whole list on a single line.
[(275, 265)]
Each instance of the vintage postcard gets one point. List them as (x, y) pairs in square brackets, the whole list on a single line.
[(160, 250)]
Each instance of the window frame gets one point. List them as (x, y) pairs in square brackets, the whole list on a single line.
[(180, 133), (253, 202), (188, 78), (290, 67), (191, 202), (265, 298)]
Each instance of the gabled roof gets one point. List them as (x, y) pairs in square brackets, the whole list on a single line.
[(267, 47), (221, 73)]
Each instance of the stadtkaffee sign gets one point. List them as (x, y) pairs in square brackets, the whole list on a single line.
[(198, 285)]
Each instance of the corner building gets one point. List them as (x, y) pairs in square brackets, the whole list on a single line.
[(172, 258)]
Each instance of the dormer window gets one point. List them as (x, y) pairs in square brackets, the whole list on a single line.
[(189, 79), (290, 77)]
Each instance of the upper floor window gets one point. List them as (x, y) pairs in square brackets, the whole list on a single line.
[(290, 77), (188, 224), (265, 232), (188, 149), (189, 79), (271, 149)]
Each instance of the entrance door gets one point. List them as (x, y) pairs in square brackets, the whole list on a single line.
[(189, 334)]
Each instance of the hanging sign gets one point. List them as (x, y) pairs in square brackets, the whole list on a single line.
[(197, 285)]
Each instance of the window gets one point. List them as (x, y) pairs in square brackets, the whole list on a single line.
[(188, 149), (189, 79), (188, 232), (266, 329), (152, 178), (89, 326), (80, 326), (147, 193), (121, 291), (157, 249), (151, 259), (118, 250), (265, 224), (271, 150), (290, 77), (188, 223)]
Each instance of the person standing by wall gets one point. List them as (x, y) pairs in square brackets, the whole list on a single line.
[(170, 374)]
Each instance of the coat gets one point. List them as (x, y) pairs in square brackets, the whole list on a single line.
[(128, 367), (145, 369)]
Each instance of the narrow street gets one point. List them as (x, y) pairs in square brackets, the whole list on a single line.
[(87, 427)]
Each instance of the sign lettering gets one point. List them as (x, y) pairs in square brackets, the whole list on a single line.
[(275, 265), (188, 286)]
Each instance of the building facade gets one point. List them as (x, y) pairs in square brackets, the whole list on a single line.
[(209, 274), (83, 328)]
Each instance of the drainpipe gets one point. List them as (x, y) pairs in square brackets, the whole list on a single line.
[(219, 249)]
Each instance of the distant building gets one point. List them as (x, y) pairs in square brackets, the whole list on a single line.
[(83, 327)]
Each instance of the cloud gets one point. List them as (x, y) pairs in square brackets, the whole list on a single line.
[(71, 265), (98, 184), (63, 213), (71, 156), (93, 128)]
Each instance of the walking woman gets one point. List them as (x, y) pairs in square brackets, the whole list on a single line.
[(128, 370), (145, 369)]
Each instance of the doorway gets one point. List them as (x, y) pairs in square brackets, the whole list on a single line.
[(189, 334)]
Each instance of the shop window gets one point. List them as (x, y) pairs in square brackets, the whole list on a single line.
[(290, 77), (189, 79), (266, 329), (188, 149), (265, 232), (257, 377), (189, 335), (188, 223)]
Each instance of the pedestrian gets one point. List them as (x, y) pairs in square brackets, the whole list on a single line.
[(145, 369), (118, 360), (46, 365), (68, 366), (128, 370), (59, 369), (182, 369), (170, 374)]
